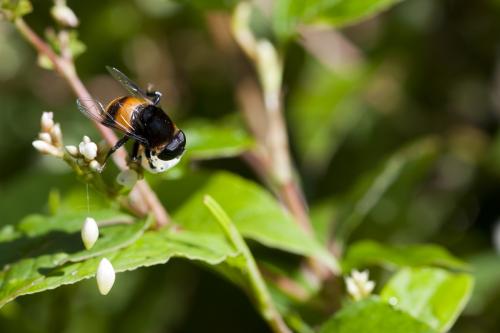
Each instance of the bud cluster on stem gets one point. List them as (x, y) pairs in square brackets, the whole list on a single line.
[(49, 140)]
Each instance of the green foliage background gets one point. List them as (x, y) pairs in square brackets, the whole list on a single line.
[(397, 149)]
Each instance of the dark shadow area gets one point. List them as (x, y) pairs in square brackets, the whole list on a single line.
[(46, 244)]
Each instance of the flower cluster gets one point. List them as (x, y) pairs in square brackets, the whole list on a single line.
[(49, 140), (85, 154), (358, 285)]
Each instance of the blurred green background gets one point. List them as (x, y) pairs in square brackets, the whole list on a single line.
[(424, 77)]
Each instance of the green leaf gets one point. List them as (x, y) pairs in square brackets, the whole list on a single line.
[(486, 270), (348, 12), (207, 140), (153, 248), (411, 161), (245, 260), (76, 46), (53, 255), (255, 213), (324, 111), (210, 4), (39, 244), (14, 9), (374, 316), (434, 296), (289, 14), (365, 253)]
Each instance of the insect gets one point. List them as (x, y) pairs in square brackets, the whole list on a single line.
[(159, 144)]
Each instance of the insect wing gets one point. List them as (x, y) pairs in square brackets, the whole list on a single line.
[(130, 86), (94, 110)]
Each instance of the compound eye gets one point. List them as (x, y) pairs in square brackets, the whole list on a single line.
[(175, 148)]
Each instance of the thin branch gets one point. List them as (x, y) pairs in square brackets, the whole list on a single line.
[(143, 197)]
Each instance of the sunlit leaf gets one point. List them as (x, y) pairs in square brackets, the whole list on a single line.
[(366, 253), (39, 244), (374, 316), (45, 253), (256, 214), (13, 9), (432, 295)]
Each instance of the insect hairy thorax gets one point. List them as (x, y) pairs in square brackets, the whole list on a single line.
[(156, 126)]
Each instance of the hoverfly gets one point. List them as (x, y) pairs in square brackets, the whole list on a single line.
[(159, 144)]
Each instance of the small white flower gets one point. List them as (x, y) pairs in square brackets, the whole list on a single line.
[(90, 232), (64, 16), (88, 149), (358, 285), (72, 150), (47, 121), (44, 136), (127, 178), (105, 276), (95, 166), (46, 148)]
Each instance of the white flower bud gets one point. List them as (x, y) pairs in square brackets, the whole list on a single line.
[(95, 166), (44, 136), (56, 134), (88, 149), (72, 150), (358, 285), (105, 276), (90, 232), (127, 178), (47, 121), (63, 15), (46, 148)]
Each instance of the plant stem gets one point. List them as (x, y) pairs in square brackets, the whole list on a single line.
[(277, 143), (257, 284), (145, 199)]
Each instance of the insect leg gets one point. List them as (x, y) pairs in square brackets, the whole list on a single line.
[(135, 151), (147, 152), (118, 144)]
